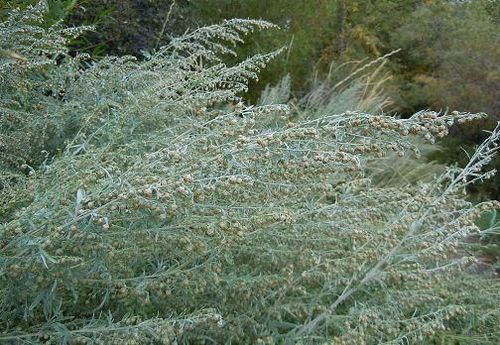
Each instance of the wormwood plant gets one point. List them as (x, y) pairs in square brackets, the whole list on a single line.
[(165, 219), (34, 72)]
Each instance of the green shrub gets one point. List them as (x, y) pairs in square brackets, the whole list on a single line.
[(174, 213), (35, 117), (127, 26)]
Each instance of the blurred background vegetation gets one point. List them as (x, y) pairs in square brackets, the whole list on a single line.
[(449, 57)]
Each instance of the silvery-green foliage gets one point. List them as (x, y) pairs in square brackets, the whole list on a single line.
[(164, 219), (278, 94), (35, 70), (23, 37)]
